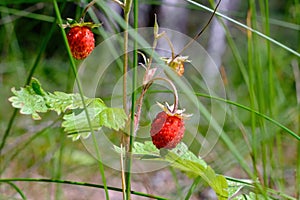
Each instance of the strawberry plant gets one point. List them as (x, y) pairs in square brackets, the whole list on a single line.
[(153, 122)]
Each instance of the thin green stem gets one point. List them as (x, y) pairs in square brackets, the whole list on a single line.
[(133, 100), (202, 30), (100, 165), (192, 188), (127, 9), (43, 180), (8, 129), (86, 9), (252, 96), (264, 8), (19, 191), (126, 140), (173, 89), (258, 73)]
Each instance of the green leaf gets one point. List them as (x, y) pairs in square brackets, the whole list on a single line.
[(32, 100), (78, 123), (37, 87), (100, 115), (60, 101), (28, 102), (113, 118), (183, 159)]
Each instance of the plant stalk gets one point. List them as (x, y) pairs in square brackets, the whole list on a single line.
[(126, 140), (133, 100), (100, 164)]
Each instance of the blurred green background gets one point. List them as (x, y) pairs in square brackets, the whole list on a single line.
[(31, 152)]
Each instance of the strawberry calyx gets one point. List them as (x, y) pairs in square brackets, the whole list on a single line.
[(177, 63), (169, 110), (177, 60), (72, 23)]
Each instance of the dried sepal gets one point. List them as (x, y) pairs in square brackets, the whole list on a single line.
[(177, 64), (169, 110)]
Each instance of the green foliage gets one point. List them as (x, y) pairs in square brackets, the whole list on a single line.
[(183, 159), (60, 101), (29, 102), (32, 100), (276, 153), (100, 115)]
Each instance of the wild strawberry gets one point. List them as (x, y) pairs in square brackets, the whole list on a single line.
[(81, 38), (81, 41), (167, 129)]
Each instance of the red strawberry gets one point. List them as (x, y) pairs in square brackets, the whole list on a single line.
[(167, 130), (81, 41)]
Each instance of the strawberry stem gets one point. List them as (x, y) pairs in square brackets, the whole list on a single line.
[(200, 33), (140, 100), (85, 10), (171, 46), (174, 92)]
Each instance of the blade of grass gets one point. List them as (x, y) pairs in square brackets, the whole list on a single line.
[(259, 85), (98, 155), (78, 184), (251, 69), (24, 13), (275, 161)]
